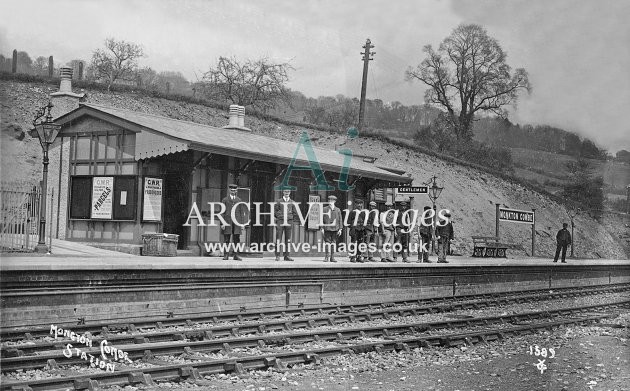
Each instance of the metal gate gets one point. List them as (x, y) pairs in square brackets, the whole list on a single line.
[(19, 219)]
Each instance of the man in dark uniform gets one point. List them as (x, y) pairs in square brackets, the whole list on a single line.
[(284, 211), (331, 228), (357, 230), (425, 233), (388, 231), (563, 240), (444, 234), (372, 230), (403, 226), (232, 231)]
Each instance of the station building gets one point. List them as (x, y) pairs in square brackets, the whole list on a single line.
[(121, 173)]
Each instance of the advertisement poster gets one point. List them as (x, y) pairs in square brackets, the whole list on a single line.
[(314, 211), (152, 199), (102, 197)]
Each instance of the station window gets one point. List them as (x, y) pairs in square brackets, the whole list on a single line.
[(96, 159), (103, 153), (89, 199)]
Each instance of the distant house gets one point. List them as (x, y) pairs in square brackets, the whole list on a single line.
[(623, 156)]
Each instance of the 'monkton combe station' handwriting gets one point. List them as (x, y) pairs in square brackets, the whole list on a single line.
[(108, 353)]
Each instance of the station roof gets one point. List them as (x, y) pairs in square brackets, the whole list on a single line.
[(157, 135)]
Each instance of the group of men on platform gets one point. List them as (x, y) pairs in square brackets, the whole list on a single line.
[(366, 230), (392, 238)]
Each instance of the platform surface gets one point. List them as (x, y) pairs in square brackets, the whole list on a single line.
[(76, 256)]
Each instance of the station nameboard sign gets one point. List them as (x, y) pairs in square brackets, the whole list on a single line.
[(413, 190), (516, 216)]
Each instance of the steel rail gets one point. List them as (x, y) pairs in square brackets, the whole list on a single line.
[(15, 334), (196, 370), (225, 345), (322, 319)]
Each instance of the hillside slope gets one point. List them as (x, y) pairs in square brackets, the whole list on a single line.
[(550, 170), (469, 193)]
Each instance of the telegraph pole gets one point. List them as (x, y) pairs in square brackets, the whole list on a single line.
[(366, 60)]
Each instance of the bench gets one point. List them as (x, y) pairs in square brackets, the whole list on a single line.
[(489, 247)]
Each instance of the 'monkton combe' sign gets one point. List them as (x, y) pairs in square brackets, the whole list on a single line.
[(413, 190), (516, 216)]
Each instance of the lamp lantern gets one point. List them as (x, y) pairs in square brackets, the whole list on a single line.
[(47, 131)]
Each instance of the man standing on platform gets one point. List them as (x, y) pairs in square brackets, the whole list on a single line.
[(403, 226), (563, 240), (284, 210), (372, 230), (388, 233), (357, 231), (232, 231), (425, 233), (444, 234), (331, 227)]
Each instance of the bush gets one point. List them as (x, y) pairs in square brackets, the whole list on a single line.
[(434, 137)]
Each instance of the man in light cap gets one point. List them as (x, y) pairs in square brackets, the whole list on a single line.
[(372, 229), (233, 228), (331, 227)]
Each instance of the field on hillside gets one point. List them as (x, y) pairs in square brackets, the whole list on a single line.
[(552, 168)]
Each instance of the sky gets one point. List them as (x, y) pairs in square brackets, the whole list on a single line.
[(577, 52)]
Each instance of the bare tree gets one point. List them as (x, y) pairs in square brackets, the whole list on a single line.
[(118, 61), (146, 78), (251, 83), (467, 74)]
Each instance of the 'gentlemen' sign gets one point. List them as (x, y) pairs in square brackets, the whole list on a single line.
[(516, 216), (413, 190), (152, 199), (102, 192)]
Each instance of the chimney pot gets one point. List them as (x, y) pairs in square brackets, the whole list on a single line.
[(66, 79), (241, 116), (237, 118), (65, 100), (233, 116)]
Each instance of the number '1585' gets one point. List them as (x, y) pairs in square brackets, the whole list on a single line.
[(542, 352)]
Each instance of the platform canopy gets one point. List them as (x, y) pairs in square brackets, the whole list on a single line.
[(157, 135)]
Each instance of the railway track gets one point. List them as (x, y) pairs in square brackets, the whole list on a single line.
[(338, 317), (41, 359), (345, 340), (343, 313)]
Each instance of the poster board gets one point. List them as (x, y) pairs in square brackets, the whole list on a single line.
[(314, 212), (152, 199), (102, 197)]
